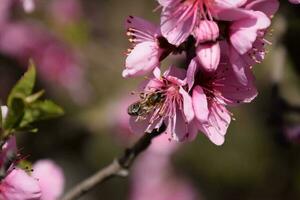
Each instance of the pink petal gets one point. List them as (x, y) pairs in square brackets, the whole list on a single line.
[(218, 122), (191, 73), (269, 7), (175, 72), (238, 66), (187, 105), (233, 92), (176, 28), (149, 30), (177, 127), (142, 59), (50, 178), (209, 56), (18, 185), (243, 33), (151, 84), (157, 73), (229, 3), (193, 131), (200, 105), (231, 14), (212, 134), (176, 75), (166, 3)]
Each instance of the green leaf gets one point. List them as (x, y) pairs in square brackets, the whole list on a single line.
[(24, 86), (34, 97), (41, 110), (15, 114)]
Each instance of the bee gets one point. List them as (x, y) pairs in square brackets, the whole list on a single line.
[(146, 104)]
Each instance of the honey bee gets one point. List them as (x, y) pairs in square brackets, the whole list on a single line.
[(147, 104)]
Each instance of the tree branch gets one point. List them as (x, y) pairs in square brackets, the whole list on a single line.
[(118, 167)]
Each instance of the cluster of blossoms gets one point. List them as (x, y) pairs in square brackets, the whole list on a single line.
[(44, 182), (221, 39)]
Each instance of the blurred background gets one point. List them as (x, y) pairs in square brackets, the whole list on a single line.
[(78, 47)]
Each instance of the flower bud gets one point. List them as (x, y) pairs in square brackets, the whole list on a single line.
[(209, 56), (206, 31)]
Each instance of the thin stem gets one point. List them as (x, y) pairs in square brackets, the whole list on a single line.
[(118, 167)]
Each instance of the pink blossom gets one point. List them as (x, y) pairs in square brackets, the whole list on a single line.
[(179, 18), (244, 32), (147, 51), (212, 92), (50, 179), (18, 185), (246, 35), (174, 107)]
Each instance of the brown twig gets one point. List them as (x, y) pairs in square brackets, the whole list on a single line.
[(118, 167)]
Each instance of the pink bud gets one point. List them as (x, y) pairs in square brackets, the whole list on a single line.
[(206, 31), (209, 56)]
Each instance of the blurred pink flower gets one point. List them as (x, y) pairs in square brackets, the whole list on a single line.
[(28, 5), (293, 133), (5, 7), (50, 179), (65, 11), (294, 1), (153, 177), (118, 119), (55, 61), (174, 109)]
